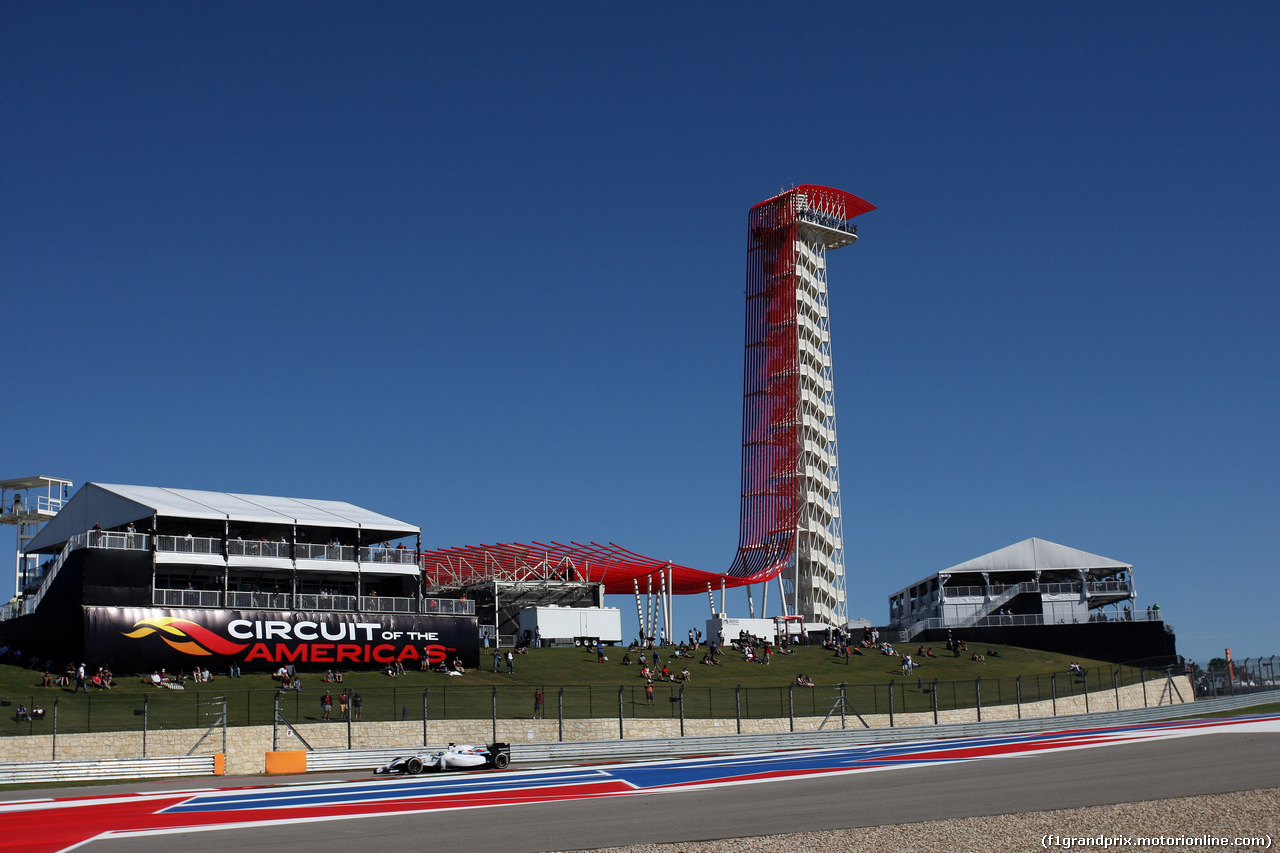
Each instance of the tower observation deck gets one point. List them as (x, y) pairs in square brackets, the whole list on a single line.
[(791, 527)]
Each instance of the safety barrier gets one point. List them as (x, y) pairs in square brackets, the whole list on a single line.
[(109, 768)]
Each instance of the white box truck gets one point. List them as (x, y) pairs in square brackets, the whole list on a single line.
[(563, 625)]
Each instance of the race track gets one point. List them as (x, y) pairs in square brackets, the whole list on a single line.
[(678, 800)]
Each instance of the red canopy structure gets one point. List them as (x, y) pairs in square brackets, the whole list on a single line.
[(619, 570)]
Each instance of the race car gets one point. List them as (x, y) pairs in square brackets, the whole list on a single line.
[(454, 757)]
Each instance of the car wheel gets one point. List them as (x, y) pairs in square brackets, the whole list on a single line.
[(501, 760), (413, 766)]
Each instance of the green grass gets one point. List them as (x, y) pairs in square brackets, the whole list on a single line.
[(572, 679), (1270, 708)]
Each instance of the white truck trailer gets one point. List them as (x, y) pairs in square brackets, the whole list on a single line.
[(563, 625)]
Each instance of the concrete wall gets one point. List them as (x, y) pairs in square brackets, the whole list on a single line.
[(247, 746)]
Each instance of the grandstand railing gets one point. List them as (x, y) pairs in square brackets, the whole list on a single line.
[(388, 604), (995, 620), (325, 601), (250, 600), (257, 548), (198, 545), (308, 551), (188, 545), (119, 541), (186, 597), (398, 556)]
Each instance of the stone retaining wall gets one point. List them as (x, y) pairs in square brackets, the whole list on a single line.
[(247, 746)]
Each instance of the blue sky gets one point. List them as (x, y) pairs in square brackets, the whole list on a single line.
[(480, 267)]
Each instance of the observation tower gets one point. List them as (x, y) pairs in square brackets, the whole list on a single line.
[(791, 527)]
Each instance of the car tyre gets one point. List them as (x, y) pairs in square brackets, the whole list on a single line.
[(413, 766), (501, 760)]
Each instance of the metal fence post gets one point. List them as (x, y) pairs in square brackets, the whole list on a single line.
[(275, 725), (977, 693), (933, 691), (146, 703), (54, 755), (1115, 684), (621, 731), (425, 691), (737, 700), (494, 701), (891, 702), (681, 710), (843, 704), (1017, 692), (791, 706), (560, 714), (1143, 675), (88, 713), (1053, 691)]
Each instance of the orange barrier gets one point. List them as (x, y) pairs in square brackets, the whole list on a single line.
[(287, 761)]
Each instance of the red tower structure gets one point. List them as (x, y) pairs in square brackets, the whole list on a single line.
[(790, 516)]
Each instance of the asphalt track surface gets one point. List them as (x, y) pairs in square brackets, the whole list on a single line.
[(746, 800)]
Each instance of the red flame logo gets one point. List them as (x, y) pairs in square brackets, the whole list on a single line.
[(185, 636)]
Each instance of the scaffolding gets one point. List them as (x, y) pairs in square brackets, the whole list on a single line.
[(27, 503)]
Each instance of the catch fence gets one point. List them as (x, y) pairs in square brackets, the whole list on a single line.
[(195, 708)]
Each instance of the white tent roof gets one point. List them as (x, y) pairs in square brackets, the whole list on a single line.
[(1036, 554), (113, 505)]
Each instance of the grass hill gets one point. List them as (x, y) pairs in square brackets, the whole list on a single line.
[(572, 679)]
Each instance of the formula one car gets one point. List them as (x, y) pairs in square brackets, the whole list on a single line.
[(455, 757)]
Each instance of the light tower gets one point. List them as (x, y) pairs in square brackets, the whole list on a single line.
[(29, 502), (791, 525)]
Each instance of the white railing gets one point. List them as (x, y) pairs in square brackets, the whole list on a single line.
[(388, 604), (1109, 587), (187, 597), (257, 548), (260, 600), (449, 606), (188, 545), (826, 220), (996, 620), (400, 556), (314, 601), (306, 551), (119, 541), (34, 504)]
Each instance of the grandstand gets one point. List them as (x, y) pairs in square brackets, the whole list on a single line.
[(146, 577), (1037, 594)]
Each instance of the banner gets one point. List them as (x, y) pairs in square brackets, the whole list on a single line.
[(145, 638)]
